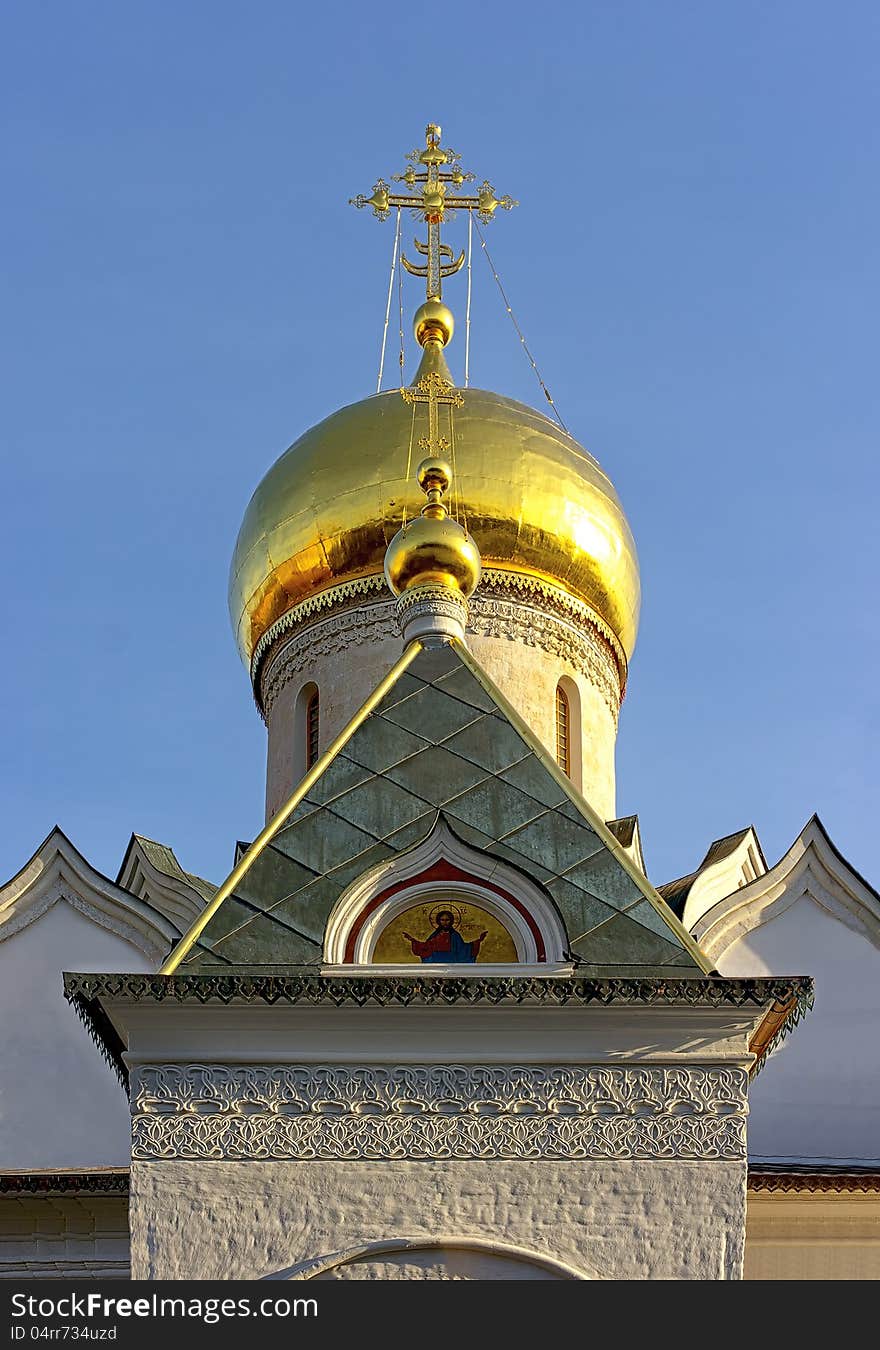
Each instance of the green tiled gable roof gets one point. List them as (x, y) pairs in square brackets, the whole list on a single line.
[(443, 742)]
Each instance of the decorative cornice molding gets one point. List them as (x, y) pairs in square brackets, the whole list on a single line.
[(788, 998), (344, 596), (437, 1111), (499, 583), (511, 605), (809, 1181), (386, 991), (355, 626), (110, 1182)]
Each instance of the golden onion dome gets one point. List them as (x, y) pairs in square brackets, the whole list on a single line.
[(533, 499)]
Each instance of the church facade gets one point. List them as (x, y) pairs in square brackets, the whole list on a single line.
[(438, 1023)]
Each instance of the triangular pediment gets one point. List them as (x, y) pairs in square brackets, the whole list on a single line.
[(443, 741), (57, 873), (152, 872), (814, 872)]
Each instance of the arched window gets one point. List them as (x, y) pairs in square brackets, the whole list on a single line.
[(563, 731), (313, 727)]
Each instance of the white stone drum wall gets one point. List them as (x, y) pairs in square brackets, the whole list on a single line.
[(348, 655)]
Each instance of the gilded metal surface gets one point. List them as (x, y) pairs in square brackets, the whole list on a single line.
[(534, 500), (433, 550), (432, 183)]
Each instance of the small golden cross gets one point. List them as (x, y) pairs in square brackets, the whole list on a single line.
[(432, 197), (433, 389)]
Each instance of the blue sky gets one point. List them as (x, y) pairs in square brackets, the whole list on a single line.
[(695, 264)]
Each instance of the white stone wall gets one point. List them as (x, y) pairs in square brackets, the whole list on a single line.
[(611, 1219), (817, 1099), (61, 1105), (610, 1171), (347, 657)]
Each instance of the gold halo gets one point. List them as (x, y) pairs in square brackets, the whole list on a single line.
[(447, 909)]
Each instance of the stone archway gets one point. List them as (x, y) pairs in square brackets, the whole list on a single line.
[(442, 1258)]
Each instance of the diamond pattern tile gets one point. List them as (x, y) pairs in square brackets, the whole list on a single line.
[(437, 775), (324, 839), (643, 912), (273, 873), (530, 776), (374, 804), (438, 744), (496, 807), (306, 911), (555, 842), (414, 833), (265, 942), (341, 776), (460, 683), (379, 744), (490, 742), (580, 912), (621, 942), (406, 685), (431, 713), (602, 875)]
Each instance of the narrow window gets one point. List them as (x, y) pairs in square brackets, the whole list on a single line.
[(313, 715), (563, 745)]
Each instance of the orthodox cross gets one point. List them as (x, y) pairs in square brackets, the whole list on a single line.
[(433, 390), (432, 196)]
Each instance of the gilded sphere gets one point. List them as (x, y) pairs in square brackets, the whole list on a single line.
[(434, 473), (534, 500), (433, 319), (432, 552)]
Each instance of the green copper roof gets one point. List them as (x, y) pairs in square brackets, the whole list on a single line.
[(443, 741)]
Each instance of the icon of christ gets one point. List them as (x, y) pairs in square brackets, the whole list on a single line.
[(445, 944)]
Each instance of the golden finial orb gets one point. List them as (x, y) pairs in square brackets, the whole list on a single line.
[(433, 322), (433, 550)]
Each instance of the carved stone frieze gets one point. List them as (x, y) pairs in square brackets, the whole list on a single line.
[(506, 605), (438, 1111), (432, 613), (326, 637), (530, 627)]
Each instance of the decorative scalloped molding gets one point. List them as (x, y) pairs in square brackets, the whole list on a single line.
[(438, 1111), (58, 871), (432, 613), (530, 626), (357, 989), (353, 627), (812, 869), (506, 605)]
